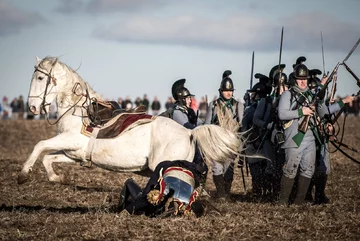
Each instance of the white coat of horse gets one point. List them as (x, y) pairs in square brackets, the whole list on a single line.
[(138, 149)]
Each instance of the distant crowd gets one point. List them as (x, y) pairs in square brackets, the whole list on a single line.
[(18, 109)]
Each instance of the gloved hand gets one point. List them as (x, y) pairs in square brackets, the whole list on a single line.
[(192, 116), (269, 126)]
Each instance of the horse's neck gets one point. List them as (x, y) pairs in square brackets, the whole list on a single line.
[(72, 107)]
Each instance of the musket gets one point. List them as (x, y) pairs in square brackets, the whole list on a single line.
[(333, 89), (304, 125), (352, 73), (321, 93)]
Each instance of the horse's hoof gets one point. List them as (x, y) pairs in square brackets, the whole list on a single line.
[(23, 177), (65, 180)]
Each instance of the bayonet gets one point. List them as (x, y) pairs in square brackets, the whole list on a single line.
[(322, 51), (347, 67), (352, 50), (281, 43), (252, 70)]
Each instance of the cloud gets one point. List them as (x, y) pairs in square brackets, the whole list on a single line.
[(13, 19), (303, 32), (70, 6), (104, 6), (235, 32)]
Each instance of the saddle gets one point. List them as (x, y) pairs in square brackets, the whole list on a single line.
[(100, 112)]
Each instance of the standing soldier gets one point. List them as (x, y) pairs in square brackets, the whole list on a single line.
[(182, 113), (185, 116), (266, 122), (322, 168), (300, 149), (256, 165), (223, 174)]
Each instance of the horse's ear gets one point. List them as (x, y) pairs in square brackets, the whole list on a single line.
[(38, 59), (54, 62)]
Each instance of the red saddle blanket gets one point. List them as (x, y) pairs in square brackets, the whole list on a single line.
[(123, 122)]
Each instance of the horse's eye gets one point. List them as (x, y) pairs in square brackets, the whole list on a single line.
[(40, 78)]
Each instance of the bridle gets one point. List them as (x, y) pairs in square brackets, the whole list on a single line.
[(52, 79)]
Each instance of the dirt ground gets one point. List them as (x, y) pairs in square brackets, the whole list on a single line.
[(86, 209)]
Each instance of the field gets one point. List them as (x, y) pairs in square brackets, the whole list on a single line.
[(86, 209)]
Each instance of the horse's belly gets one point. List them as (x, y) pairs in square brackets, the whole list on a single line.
[(127, 152)]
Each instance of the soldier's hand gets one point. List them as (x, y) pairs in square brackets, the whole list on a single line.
[(308, 111), (192, 116), (323, 80), (348, 100)]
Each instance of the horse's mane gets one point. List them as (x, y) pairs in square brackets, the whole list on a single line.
[(47, 64)]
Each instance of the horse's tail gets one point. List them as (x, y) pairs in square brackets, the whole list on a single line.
[(217, 143)]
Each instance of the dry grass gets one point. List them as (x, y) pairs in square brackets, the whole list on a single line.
[(86, 210)]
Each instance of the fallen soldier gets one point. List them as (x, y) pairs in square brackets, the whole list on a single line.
[(171, 190)]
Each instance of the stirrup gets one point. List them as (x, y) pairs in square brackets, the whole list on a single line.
[(87, 164)]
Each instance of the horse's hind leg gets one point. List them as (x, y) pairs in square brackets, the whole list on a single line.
[(48, 160)]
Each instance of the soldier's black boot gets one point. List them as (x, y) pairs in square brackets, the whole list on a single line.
[(131, 190), (227, 187), (320, 197), (228, 179), (303, 186), (256, 187), (285, 190), (220, 186), (308, 197)]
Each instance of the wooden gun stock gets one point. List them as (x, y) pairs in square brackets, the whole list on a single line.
[(304, 125)]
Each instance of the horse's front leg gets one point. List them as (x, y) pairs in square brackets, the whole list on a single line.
[(62, 142), (48, 160)]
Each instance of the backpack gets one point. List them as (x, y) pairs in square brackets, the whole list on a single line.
[(168, 113)]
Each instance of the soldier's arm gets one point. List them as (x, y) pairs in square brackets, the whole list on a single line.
[(240, 111), (259, 114), (284, 110)]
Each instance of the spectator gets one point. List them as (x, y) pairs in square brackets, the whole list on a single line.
[(203, 108), (138, 102), (6, 109), (21, 108), (169, 103), (120, 102), (14, 108), (30, 115), (127, 103), (145, 102), (194, 104), (155, 106)]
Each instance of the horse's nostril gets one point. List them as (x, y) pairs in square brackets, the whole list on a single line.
[(33, 109)]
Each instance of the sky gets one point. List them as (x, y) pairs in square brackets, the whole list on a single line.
[(136, 47)]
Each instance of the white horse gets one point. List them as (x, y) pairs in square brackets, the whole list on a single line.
[(137, 149)]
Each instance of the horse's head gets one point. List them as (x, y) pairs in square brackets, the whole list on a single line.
[(43, 88)]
